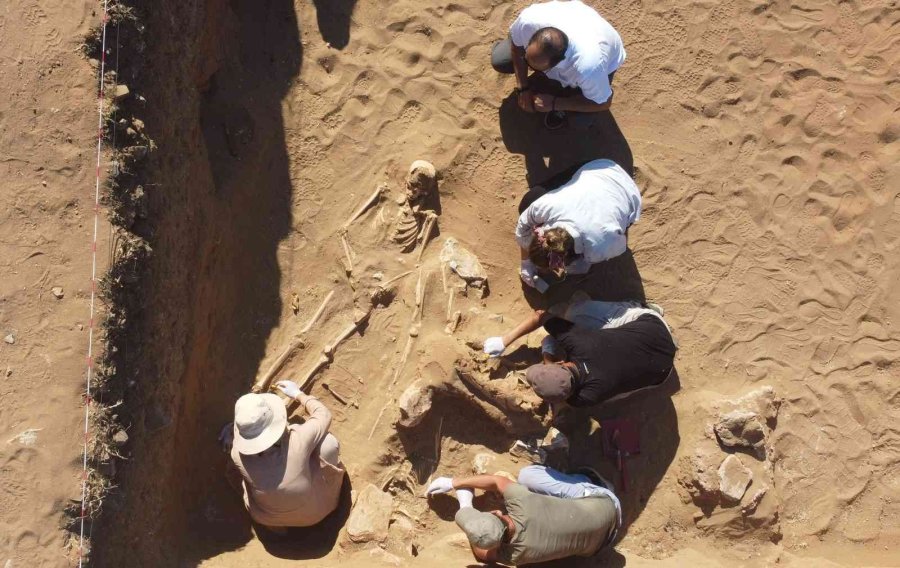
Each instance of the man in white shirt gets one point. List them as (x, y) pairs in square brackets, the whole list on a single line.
[(569, 43), (595, 208)]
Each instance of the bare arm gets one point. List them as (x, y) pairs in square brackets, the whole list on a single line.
[(484, 482), (528, 325), (519, 65), (314, 430)]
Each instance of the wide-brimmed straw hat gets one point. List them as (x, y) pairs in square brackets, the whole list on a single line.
[(259, 422)]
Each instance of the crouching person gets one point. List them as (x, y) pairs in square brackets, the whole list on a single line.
[(549, 515), (292, 473)]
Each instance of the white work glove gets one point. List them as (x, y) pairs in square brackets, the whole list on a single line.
[(464, 496), (226, 437), (289, 388), (528, 272), (494, 346), (440, 485)]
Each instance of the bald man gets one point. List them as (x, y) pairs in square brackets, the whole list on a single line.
[(570, 44)]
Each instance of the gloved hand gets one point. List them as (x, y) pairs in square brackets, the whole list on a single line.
[(226, 437), (464, 496), (289, 388), (440, 485), (528, 272), (494, 346)]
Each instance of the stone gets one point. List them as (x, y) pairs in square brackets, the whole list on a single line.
[(385, 557), (481, 464), (10, 338), (415, 402), (121, 92), (742, 429), (402, 529), (753, 502), (734, 478), (120, 438), (555, 441), (527, 452), (762, 401), (462, 262), (57, 292), (371, 515), (699, 474)]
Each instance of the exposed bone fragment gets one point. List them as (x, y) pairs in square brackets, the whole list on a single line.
[(328, 350), (262, 385), (310, 375), (395, 278), (339, 398), (450, 306), (444, 276), (377, 420), (427, 229), (519, 405), (420, 181), (454, 322), (406, 229), (312, 321), (347, 250), (403, 357), (368, 203)]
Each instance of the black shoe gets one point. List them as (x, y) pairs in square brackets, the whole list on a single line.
[(595, 477)]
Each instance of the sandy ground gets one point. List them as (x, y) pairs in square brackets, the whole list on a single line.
[(48, 124), (763, 137)]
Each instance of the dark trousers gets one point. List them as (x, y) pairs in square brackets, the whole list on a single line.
[(501, 61)]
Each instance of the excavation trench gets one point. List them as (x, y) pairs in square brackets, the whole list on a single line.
[(212, 76), (246, 190)]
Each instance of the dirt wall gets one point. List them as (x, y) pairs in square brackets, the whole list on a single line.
[(213, 74)]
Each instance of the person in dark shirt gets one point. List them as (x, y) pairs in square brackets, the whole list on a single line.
[(585, 365)]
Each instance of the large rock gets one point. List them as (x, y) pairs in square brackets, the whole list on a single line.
[(742, 429), (734, 478), (415, 402), (762, 401), (699, 474), (371, 515), (465, 264)]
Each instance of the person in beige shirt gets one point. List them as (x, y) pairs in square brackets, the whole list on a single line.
[(292, 473)]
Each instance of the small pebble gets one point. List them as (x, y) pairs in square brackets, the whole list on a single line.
[(10, 338), (120, 438), (58, 292)]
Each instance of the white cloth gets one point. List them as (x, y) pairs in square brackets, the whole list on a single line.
[(595, 47), (596, 207)]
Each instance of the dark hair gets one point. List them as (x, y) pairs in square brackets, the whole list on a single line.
[(552, 42), (557, 241)]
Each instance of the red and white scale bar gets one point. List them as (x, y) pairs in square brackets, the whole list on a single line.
[(90, 348)]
